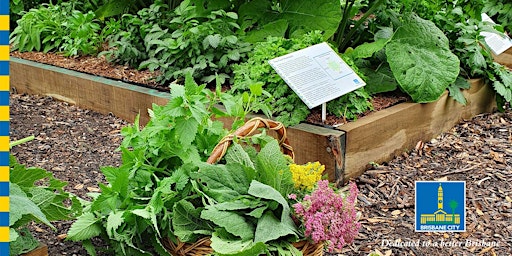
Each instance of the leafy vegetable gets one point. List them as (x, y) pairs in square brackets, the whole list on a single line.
[(30, 202), (421, 60)]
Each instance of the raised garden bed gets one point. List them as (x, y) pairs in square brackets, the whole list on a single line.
[(346, 151)]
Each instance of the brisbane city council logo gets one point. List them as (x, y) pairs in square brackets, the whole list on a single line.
[(440, 206)]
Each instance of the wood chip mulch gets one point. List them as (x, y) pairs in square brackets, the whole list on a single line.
[(73, 143)]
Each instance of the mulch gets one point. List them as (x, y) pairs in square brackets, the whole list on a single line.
[(74, 143)]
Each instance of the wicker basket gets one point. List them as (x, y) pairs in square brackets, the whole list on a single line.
[(203, 246)]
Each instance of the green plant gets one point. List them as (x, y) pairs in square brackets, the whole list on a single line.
[(286, 106), (35, 195), (135, 210), (417, 56), (287, 18), (461, 22), (18, 7), (126, 44), (500, 11), (203, 43), (345, 37), (57, 28)]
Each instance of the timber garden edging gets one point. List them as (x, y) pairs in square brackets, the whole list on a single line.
[(346, 151)]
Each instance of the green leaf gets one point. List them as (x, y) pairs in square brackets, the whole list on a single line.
[(264, 191), (20, 205), (212, 40), (13, 234), (114, 220), (25, 177), (85, 227), (379, 81), (275, 28), (302, 16), (231, 221), (367, 50), (186, 221), (24, 243), (273, 168), (236, 154), (238, 204), (503, 91), (455, 90), (421, 60), (186, 129), (236, 247), (270, 228), (225, 182), (144, 213), (118, 178)]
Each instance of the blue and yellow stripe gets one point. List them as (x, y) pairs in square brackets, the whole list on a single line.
[(4, 127)]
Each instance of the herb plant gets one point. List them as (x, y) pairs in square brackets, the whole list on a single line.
[(40, 203), (500, 11), (144, 195), (286, 106), (203, 43), (58, 28)]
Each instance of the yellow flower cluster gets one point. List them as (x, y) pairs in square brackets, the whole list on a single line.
[(306, 176)]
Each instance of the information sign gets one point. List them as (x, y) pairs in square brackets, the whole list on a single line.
[(497, 42), (316, 74)]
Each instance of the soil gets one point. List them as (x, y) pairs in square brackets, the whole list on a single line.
[(73, 143), (101, 67)]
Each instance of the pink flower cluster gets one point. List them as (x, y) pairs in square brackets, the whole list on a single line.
[(328, 216)]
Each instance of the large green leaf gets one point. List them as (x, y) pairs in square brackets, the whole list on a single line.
[(20, 205), (23, 243), (275, 28), (270, 228), (234, 223), (421, 60), (235, 247), (186, 221), (273, 169), (381, 80), (302, 16), (237, 154), (85, 227), (264, 191), (225, 182)]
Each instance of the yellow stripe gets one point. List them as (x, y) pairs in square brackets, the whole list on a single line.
[(4, 83), (4, 173), (4, 113), (4, 234), (4, 204), (4, 52), (4, 143), (4, 22)]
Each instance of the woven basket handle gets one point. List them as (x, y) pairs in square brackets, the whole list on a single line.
[(248, 129)]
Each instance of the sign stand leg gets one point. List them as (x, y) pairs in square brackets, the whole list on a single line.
[(324, 111)]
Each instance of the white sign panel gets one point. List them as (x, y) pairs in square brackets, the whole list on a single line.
[(317, 74), (497, 42)]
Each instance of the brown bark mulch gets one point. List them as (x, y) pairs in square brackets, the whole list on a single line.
[(73, 143)]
